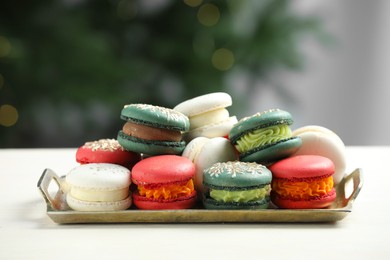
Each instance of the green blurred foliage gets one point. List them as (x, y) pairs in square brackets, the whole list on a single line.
[(73, 64)]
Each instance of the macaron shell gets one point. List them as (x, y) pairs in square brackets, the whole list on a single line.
[(259, 204), (86, 154), (259, 120), (147, 204), (80, 205), (237, 175), (205, 152), (155, 116), (163, 169), (99, 176), (193, 148), (217, 129), (150, 147), (318, 140), (271, 153), (317, 203), (208, 118), (302, 166), (204, 103)]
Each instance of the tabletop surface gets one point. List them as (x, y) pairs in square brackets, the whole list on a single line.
[(26, 232)]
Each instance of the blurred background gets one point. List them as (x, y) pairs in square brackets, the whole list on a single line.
[(68, 67)]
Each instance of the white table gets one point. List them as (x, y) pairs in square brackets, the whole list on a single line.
[(26, 232)]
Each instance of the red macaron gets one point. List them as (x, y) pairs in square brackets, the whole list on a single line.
[(303, 182), (106, 151), (164, 182)]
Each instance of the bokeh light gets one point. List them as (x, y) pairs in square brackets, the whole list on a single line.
[(223, 59), (208, 14), (8, 115), (127, 10), (193, 3), (5, 46)]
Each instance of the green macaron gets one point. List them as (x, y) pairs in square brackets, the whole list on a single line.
[(265, 137), (152, 130), (236, 185)]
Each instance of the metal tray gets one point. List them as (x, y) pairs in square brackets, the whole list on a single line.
[(57, 209)]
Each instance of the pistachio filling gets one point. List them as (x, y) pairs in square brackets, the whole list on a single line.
[(263, 136), (241, 195)]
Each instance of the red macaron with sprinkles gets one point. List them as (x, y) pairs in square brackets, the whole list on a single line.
[(303, 182), (164, 182), (106, 151)]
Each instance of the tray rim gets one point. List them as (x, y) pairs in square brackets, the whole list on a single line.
[(199, 215)]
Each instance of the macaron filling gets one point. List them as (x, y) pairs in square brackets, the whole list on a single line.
[(151, 133), (302, 189), (105, 195), (240, 195), (207, 118), (263, 136), (167, 192)]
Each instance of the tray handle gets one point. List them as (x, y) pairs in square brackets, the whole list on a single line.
[(357, 179), (53, 194)]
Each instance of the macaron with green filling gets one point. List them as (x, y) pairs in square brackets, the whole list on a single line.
[(236, 185), (152, 130), (265, 137)]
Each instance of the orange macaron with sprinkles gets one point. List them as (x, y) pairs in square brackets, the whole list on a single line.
[(303, 182)]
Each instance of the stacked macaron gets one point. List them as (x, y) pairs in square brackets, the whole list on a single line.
[(303, 182), (99, 187), (208, 115), (236, 185), (152, 130), (265, 137), (172, 158), (164, 182)]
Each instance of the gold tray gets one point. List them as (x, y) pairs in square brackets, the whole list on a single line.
[(59, 212)]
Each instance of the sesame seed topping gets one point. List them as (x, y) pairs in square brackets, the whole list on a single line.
[(103, 144), (234, 168)]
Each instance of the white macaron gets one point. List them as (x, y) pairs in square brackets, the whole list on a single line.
[(208, 115), (99, 187), (318, 140), (204, 152)]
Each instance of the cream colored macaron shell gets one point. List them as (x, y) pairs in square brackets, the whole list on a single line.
[(204, 152), (318, 140), (99, 184)]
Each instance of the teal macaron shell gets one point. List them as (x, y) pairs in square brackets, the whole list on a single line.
[(259, 120), (149, 147), (155, 116), (236, 175), (269, 153)]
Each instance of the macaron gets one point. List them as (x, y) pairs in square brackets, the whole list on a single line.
[(106, 151), (208, 115), (265, 137), (236, 185), (204, 152), (99, 187), (319, 140), (303, 182), (164, 182), (152, 130)]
